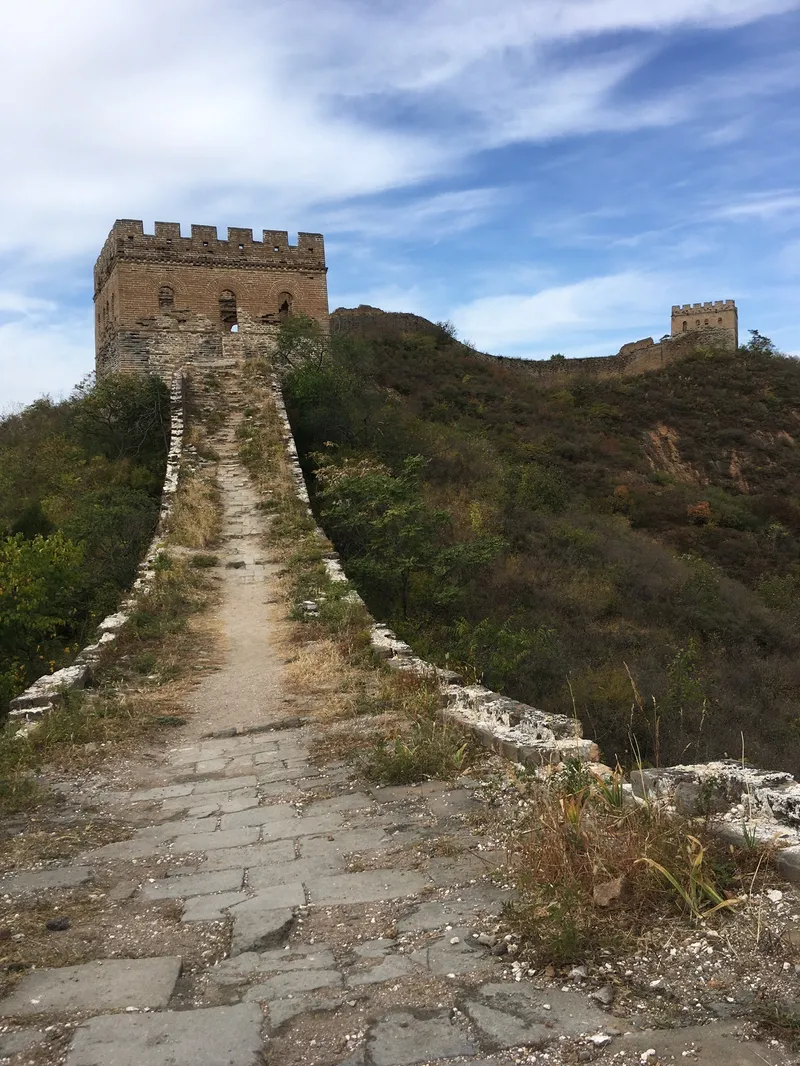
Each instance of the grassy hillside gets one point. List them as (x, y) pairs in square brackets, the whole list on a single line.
[(80, 483), (624, 549)]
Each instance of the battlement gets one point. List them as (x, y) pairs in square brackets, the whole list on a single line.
[(128, 241), (706, 308)]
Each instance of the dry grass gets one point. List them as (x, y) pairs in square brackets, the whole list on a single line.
[(594, 869), (196, 519)]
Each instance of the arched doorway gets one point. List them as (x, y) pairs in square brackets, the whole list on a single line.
[(285, 300), (227, 311), (166, 298)]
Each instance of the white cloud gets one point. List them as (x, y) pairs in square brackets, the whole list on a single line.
[(39, 357), (429, 218), (562, 316), (764, 206)]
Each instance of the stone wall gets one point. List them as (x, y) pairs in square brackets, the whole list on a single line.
[(47, 690), (637, 357)]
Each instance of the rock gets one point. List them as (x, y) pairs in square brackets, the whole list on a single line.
[(58, 925), (604, 995), (610, 891)]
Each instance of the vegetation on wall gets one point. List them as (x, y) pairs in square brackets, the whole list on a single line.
[(80, 483), (622, 549)]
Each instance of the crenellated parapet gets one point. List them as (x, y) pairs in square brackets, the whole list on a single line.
[(128, 241), (707, 308)]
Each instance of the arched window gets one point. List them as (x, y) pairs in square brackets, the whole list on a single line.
[(719, 320), (685, 325), (285, 300), (697, 323), (166, 298), (227, 310)]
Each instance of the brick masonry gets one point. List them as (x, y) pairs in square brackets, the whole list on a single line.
[(162, 300)]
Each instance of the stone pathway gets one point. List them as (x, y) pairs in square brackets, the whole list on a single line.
[(269, 911)]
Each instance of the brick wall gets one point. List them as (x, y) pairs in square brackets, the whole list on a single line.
[(134, 331)]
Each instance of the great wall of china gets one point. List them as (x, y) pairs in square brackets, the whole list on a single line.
[(264, 832)]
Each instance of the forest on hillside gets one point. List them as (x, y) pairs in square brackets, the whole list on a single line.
[(80, 485), (624, 550)]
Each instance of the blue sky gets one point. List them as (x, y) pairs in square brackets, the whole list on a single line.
[(551, 175)]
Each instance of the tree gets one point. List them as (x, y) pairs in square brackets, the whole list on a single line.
[(301, 342), (759, 344)]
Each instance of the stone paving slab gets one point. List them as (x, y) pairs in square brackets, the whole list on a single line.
[(508, 1015), (21, 1040), (345, 842), (211, 908), (281, 960), (715, 1044), (305, 870), (274, 814), (370, 886), (466, 910), (224, 784), (194, 885), (403, 1038), (283, 985), (30, 882), (215, 1036), (107, 984), (299, 827), (277, 852), (231, 838), (260, 928)]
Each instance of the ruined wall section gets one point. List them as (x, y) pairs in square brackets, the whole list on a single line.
[(637, 357)]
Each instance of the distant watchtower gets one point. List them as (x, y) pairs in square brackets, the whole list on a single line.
[(162, 300), (719, 319)]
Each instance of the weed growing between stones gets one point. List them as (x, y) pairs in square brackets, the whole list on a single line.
[(431, 748), (596, 870)]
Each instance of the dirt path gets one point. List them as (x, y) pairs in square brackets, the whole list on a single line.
[(261, 909), (247, 690)]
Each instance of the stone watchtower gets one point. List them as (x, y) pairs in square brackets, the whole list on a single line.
[(162, 300), (719, 320)]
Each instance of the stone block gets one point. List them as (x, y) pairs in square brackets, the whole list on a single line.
[(403, 1038), (787, 862), (508, 1015), (371, 886), (256, 930), (242, 967), (232, 838), (278, 852), (389, 969), (274, 814), (31, 882), (291, 983), (213, 908), (194, 885), (108, 984), (216, 1036)]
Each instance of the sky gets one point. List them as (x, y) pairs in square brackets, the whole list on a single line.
[(549, 175)]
